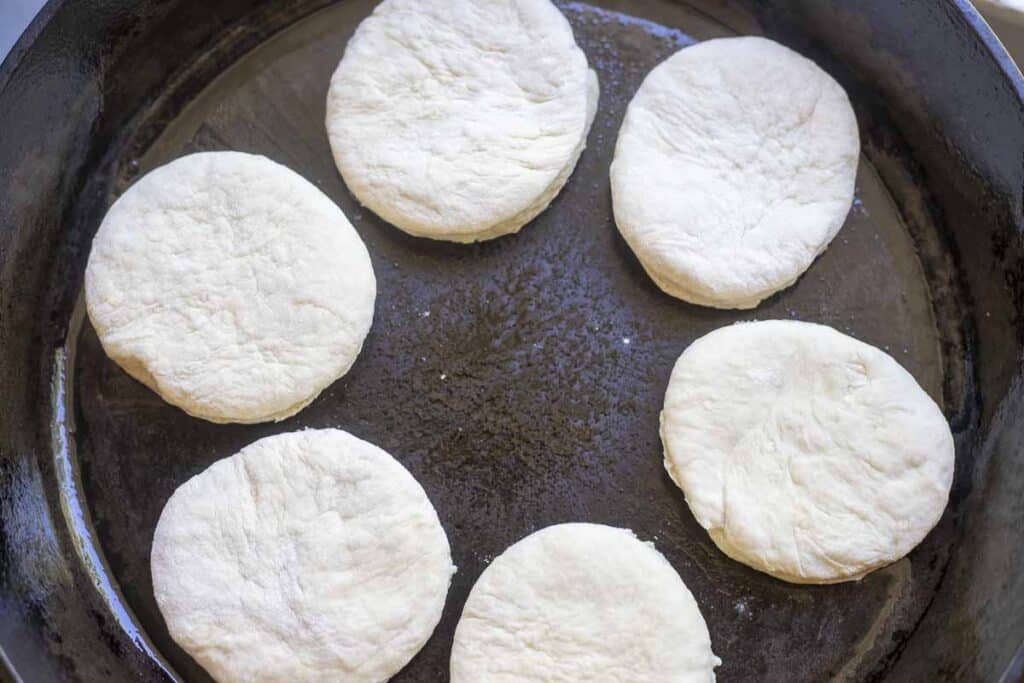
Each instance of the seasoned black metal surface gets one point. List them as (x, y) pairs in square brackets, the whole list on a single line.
[(519, 380)]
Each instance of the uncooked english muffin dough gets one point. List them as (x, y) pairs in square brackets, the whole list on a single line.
[(581, 602), (231, 286), (309, 556), (734, 169), (805, 453), (460, 119)]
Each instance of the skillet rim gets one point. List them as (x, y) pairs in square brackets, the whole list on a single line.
[(994, 48)]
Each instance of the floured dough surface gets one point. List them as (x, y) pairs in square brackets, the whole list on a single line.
[(460, 119), (309, 556), (734, 168), (231, 286), (805, 453), (581, 602)]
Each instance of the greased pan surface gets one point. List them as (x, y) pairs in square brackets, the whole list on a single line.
[(520, 380)]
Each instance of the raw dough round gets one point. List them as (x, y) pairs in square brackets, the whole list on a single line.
[(460, 119), (581, 602), (231, 286), (310, 556), (734, 169), (805, 453)]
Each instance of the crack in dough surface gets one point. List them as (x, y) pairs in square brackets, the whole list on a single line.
[(734, 169), (460, 120), (308, 556), (805, 453), (581, 602), (231, 286)]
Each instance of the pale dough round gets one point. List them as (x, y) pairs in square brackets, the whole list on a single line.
[(460, 119), (309, 556), (231, 286), (805, 453), (734, 168), (581, 602)]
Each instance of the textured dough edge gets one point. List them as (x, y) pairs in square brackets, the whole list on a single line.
[(681, 290), (734, 553)]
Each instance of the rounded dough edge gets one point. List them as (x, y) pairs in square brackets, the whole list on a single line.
[(240, 638), (602, 564), (670, 275), (500, 222), (696, 483), (161, 190)]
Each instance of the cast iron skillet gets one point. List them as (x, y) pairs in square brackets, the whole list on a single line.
[(519, 380)]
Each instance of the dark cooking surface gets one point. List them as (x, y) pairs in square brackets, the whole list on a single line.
[(545, 413), (520, 380)]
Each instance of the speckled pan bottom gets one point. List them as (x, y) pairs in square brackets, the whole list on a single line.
[(520, 380)]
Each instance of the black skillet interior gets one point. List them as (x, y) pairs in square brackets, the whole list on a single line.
[(519, 380)]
